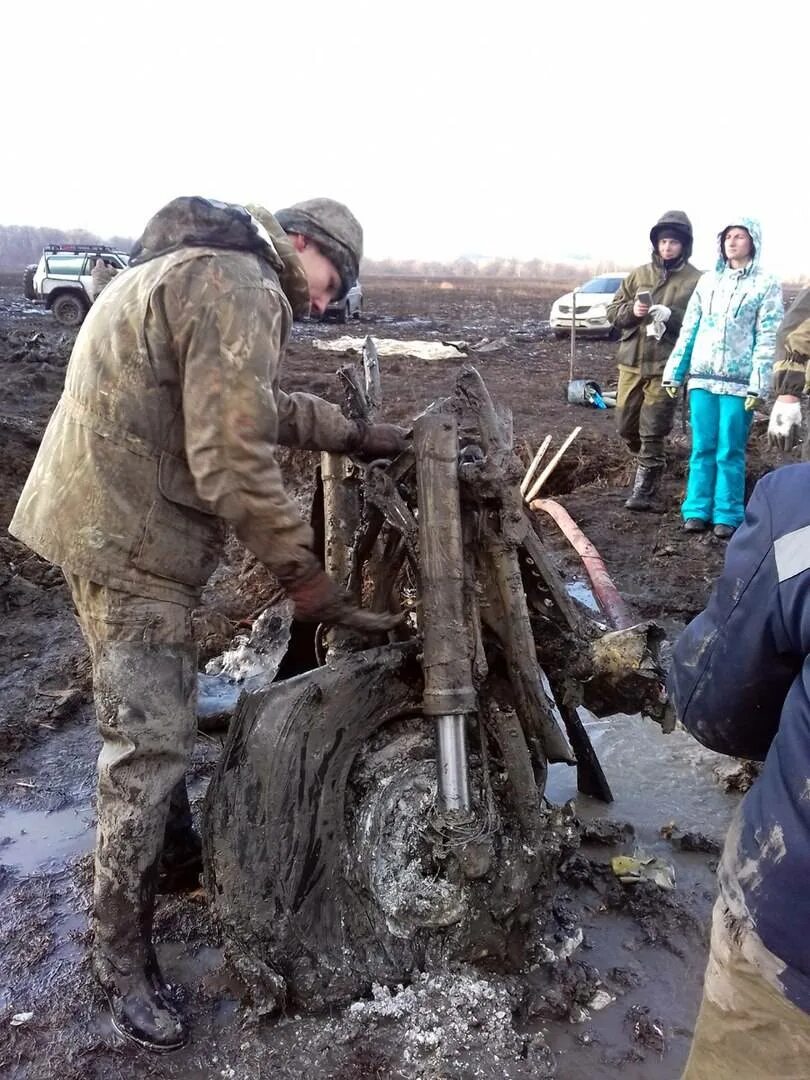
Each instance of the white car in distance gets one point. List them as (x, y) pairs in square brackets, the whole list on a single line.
[(592, 301)]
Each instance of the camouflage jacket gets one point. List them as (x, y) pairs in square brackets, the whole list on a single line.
[(791, 372), (171, 411), (669, 287), (100, 276)]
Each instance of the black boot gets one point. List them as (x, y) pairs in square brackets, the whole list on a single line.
[(140, 1005), (125, 964), (644, 487), (181, 862)]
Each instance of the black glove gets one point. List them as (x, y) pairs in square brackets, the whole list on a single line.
[(378, 441), (318, 599)]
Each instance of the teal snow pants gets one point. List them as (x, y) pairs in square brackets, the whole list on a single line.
[(715, 489)]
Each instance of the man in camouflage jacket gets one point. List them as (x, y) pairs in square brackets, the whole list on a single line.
[(791, 376), (165, 431), (644, 411), (100, 277)]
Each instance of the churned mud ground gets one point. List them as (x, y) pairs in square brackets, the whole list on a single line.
[(611, 981)]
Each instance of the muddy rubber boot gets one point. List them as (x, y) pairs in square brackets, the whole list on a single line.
[(139, 1003), (180, 868), (724, 532), (695, 525), (644, 487), (125, 964)]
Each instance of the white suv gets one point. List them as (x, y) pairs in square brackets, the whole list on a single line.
[(62, 278)]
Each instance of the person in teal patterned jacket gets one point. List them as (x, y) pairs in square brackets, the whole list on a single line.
[(726, 346)]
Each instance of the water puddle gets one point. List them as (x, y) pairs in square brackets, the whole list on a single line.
[(34, 840), (656, 779), (581, 591)]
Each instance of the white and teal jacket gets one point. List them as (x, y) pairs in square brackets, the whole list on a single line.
[(727, 341)]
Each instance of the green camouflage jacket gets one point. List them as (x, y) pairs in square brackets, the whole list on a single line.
[(791, 372), (671, 288), (171, 411)]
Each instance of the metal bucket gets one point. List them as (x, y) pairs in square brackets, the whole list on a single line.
[(578, 391)]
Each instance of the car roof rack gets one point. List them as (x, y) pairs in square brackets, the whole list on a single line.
[(77, 247)]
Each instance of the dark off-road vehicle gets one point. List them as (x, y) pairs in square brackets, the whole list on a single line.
[(62, 278)]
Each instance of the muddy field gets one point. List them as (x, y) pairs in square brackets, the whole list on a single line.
[(613, 983)]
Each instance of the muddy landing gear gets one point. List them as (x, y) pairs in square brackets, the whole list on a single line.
[(385, 812)]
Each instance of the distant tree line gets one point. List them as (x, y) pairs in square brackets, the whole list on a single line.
[(531, 269), (23, 244)]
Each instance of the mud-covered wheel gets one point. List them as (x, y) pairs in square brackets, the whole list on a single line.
[(69, 309), (28, 282), (326, 862)]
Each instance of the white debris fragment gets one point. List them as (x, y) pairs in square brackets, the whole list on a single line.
[(260, 652), (600, 1000), (452, 1015), (422, 350), (571, 944)]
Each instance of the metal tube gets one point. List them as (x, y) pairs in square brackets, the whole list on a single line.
[(453, 778), (447, 648)]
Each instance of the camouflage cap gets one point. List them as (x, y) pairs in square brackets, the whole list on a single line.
[(334, 228)]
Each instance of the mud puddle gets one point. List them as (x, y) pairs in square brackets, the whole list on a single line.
[(35, 840), (656, 779), (659, 782)]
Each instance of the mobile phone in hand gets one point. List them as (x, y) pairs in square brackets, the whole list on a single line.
[(644, 298)]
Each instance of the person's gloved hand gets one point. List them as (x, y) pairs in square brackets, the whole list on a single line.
[(672, 389), (751, 401), (659, 314), (378, 441), (785, 424), (318, 599)]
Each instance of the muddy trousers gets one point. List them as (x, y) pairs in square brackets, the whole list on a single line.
[(746, 1029), (644, 415), (144, 682), (715, 488)]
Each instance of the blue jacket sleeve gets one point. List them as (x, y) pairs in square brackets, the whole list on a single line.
[(681, 356), (734, 664), (769, 316)]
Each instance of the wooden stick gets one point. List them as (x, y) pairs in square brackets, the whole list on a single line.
[(552, 465), (532, 469)]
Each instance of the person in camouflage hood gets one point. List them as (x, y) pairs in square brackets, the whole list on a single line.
[(726, 346), (166, 431), (791, 376), (648, 332), (101, 276)]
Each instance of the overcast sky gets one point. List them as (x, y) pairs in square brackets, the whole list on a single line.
[(504, 128)]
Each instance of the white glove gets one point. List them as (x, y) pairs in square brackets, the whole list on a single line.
[(785, 425), (659, 313)]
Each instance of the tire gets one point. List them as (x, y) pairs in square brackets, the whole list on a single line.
[(69, 309), (28, 282)]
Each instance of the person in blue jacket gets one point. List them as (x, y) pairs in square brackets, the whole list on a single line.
[(740, 683), (726, 346)]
